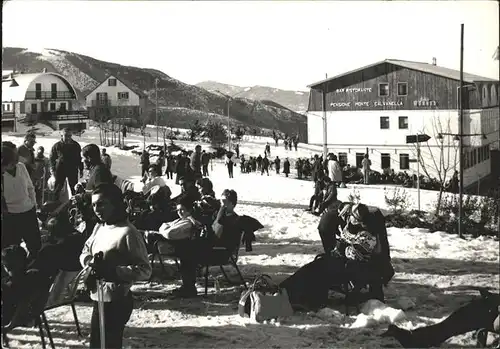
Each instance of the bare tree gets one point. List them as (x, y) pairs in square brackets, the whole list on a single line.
[(439, 160)]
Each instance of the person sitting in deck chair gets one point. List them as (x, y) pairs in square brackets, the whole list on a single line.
[(480, 313), (19, 284)]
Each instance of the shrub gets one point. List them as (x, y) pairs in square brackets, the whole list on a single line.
[(398, 200)]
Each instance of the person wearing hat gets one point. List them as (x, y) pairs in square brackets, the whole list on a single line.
[(27, 152)]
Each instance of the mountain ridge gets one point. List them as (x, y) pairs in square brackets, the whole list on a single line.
[(179, 103)]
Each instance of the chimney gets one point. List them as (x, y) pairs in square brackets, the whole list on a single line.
[(44, 70), (434, 60)]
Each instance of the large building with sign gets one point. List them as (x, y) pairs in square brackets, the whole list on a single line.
[(377, 106)]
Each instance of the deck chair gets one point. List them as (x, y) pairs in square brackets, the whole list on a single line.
[(30, 312), (380, 270), (64, 292), (224, 256)]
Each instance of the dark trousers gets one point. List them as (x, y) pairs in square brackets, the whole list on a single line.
[(205, 170), (230, 170), (116, 315), (264, 169), (277, 170), (328, 229), (22, 226), (144, 170), (169, 173), (315, 200), (192, 253), (177, 176), (61, 174)]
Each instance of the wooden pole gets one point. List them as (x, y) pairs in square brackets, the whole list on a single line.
[(461, 131)]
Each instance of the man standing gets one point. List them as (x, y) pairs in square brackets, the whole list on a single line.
[(106, 159), (195, 162), (27, 153), (66, 162), (205, 160), (365, 164)]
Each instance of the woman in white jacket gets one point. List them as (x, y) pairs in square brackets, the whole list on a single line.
[(19, 220), (334, 170)]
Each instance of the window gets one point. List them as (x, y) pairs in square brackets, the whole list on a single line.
[(384, 122), (402, 89), (359, 159), (342, 159), (130, 111), (487, 146), (480, 155), (473, 157), (112, 82), (404, 161), (403, 122), (62, 107), (122, 95), (385, 160), (466, 160), (52, 106), (383, 89)]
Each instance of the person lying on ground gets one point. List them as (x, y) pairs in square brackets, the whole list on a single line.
[(480, 313), (125, 261)]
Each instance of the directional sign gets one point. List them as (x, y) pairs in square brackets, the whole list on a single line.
[(417, 138)]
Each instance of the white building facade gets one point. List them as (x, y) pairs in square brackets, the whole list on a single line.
[(35, 97), (376, 107), (115, 98)]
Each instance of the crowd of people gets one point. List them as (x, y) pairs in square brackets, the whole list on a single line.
[(117, 237), (191, 224)]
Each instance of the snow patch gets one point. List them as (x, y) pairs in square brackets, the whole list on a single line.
[(299, 93)]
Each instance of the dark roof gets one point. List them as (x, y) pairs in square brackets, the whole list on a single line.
[(419, 66), (123, 81)]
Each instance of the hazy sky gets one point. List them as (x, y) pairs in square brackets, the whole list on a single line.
[(276, 43)]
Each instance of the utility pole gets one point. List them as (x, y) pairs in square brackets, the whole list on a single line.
[(156, 110), (228, 126), (325, 123), (461, 131), (418, 174)]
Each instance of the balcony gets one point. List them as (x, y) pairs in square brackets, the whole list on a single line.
[(58, 115), (8, 115), (100, 103), (54, 95)]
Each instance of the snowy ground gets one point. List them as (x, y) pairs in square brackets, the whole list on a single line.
[(437, 272)]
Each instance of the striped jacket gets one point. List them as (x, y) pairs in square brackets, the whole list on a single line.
[(360, 245)]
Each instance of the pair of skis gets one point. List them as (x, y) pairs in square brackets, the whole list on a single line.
[(98, 257)]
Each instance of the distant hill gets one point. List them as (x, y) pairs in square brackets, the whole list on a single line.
[(293, 100), (179, 103)]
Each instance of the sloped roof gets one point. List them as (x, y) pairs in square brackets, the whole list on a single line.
[(123, 81), (18, 93), (419, 66)]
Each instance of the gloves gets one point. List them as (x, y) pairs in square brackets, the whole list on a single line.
[(103, 270)]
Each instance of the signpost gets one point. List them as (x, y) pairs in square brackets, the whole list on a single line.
[(418, 138)]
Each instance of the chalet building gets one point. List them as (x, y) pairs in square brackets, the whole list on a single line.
[(39, 97), (377, 106), (116, 99)]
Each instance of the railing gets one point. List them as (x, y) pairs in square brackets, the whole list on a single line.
[(49, 95), (58, 115), (101, 103), (8, 115)]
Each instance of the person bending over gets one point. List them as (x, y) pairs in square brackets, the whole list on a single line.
[(125, 261), (477, 314)]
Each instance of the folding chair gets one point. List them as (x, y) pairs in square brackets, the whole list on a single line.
[(64, 292), (28, 312), (222, 256)]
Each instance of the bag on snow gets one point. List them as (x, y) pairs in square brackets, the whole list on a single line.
[(264, 300)]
